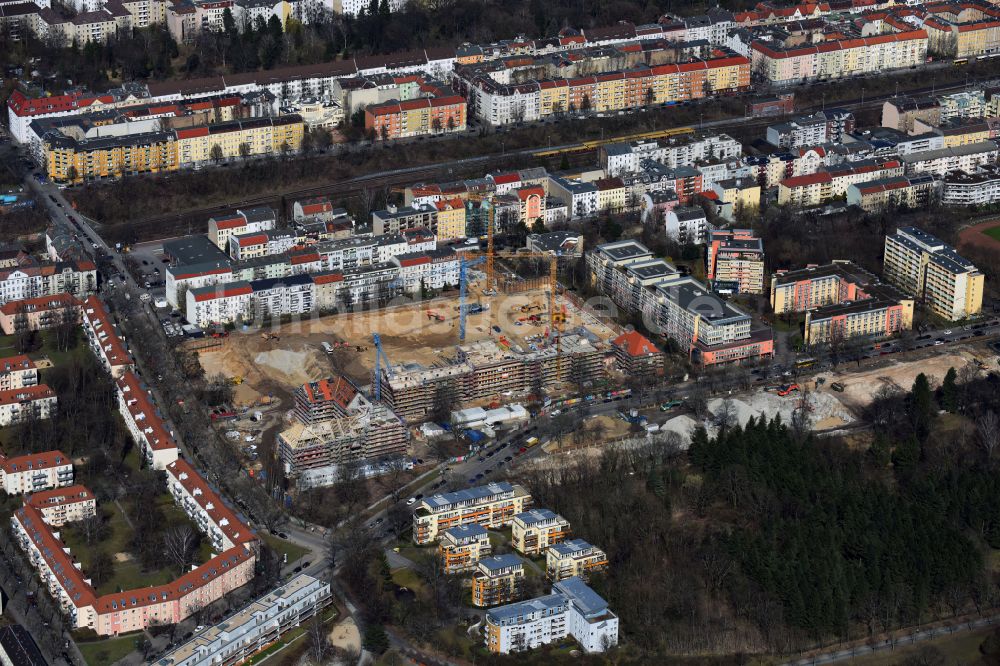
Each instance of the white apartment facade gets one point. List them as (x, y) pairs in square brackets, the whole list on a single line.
[(573, 609), (35, 472), (17, 372), (144, 423), (17, 405)]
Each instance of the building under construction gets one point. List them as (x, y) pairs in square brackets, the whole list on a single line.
[(371, 432), (335, 424), (484, 370)]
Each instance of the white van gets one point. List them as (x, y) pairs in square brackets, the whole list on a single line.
[(327, 347)]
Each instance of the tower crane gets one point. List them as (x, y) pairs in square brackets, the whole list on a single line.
[(380, 358), (556, 318), (463, 288)]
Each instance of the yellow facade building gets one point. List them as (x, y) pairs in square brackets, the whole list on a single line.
[(450, 218), (499, 579), (534, 531), (571, 558), (493, 505), (922, 265), (462, 547)]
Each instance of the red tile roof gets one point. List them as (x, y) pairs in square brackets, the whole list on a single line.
[(42, 460), (59, 496), (143, 412), (220, 514), (15, 363), (336, 389), (635, 344), (40, 304), (97, 319), (26, 394)]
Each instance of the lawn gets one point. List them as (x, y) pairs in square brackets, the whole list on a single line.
[(101, 653), (130, 574), (993, 232), (959, 648), (47, 348), (283, 547), (409, 579)]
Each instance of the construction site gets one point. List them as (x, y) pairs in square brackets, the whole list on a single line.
[(413, 335)]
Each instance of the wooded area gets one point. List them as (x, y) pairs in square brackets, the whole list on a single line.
[(766, 539)]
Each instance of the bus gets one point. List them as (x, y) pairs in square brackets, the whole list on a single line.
[(530, 442), (805, 363)]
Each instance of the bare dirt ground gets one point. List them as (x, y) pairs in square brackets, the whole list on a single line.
[(408, 333), (974, 235), (861, 387)]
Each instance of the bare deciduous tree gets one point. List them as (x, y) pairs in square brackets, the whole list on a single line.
[(179, 543)]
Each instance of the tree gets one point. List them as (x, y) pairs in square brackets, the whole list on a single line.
[(436, 125), (949, 391), (538, 226), (72, 174), (244, 150), (102, 568), (585, 103), (319, 642), (988, 433), (215, 153), (921, 406), (179, 543), (376, 640)]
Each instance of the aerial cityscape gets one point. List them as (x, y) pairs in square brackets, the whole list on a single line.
[(451, 332)]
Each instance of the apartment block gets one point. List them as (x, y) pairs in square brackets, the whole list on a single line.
[(899, 113), (35, 472), (680, 308), (959, 188), (368, 432), (499, 579), (145, 422), (922, 265), (783, 65), (618, 159), (687, 225), (127, 610), (206, 508), (573, 609), (327, 399), (495, 98), (248, 221), (72, 159), (416, 117), (536, 529), (29, 402), (33, 279), (219, 304), (943, 160), (462, 547), (396, 219), (103, 338), (39, 314), (255, 627), (636, 356), (735, 261), (571, 558), (886, 194), (483, 368), (260, 244), (64, 505), (17, 372), (493, 505)]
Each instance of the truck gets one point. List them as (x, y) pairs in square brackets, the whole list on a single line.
[(670, 404)]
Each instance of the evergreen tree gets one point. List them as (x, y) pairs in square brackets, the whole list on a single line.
[(949, 391), (921, 406)]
